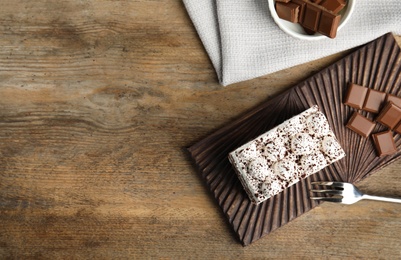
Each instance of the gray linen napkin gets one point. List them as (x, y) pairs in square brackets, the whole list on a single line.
[(243, 42)]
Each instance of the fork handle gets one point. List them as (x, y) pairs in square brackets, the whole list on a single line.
[(370, 197)]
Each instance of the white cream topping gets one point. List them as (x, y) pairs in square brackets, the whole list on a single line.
[(302, 143), (331, 147), (292, 127), (286, 154), (259, 169), (286, 169), (313, 162), (249, 153), (270, 187), (317, 124), (273, 150)]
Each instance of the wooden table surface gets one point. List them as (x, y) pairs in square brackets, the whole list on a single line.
[(98, 101)]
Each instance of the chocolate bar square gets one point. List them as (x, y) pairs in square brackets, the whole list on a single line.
[(384, 143), (360, 124), (301, 14), (390, 116), (288, 11), (374, 101), (329, 24), (396, 100), (355, 96), (311, 17), (398, 128), (334, 6)]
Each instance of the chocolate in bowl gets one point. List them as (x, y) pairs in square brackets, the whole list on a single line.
[(296, 30)]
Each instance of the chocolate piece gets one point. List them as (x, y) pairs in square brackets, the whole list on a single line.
[(287, 11), (397, 128), (308, 31), (302, 4), (384, 143), (396, 100), (334, 6), (390, 116), (283, 1), (374, 101), (311, 17), (281, 157), (355, 96), (360, 124), (329, 24)]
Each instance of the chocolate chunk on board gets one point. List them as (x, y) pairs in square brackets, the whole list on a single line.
[(355, 96), (390, 116), (384, 143), (360, 124), (396, 100), (374, 101), (398, 128)]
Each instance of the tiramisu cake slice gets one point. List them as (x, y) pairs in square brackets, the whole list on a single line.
[(284, 155)]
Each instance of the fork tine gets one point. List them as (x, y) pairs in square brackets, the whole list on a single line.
[(334, 192), (329, 183), (330, 199), (322, 183)]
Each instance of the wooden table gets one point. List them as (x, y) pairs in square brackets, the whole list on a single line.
[(98, 101)]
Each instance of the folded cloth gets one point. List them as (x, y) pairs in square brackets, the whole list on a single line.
[(243, 42)]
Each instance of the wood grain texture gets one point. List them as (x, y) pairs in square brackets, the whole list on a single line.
[(98, 100)]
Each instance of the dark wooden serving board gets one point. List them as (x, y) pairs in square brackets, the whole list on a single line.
[(376, 65)]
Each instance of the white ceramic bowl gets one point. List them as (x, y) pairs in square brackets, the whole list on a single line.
[(297, 31)]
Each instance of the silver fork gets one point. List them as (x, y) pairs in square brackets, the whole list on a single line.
[(345, 193)]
